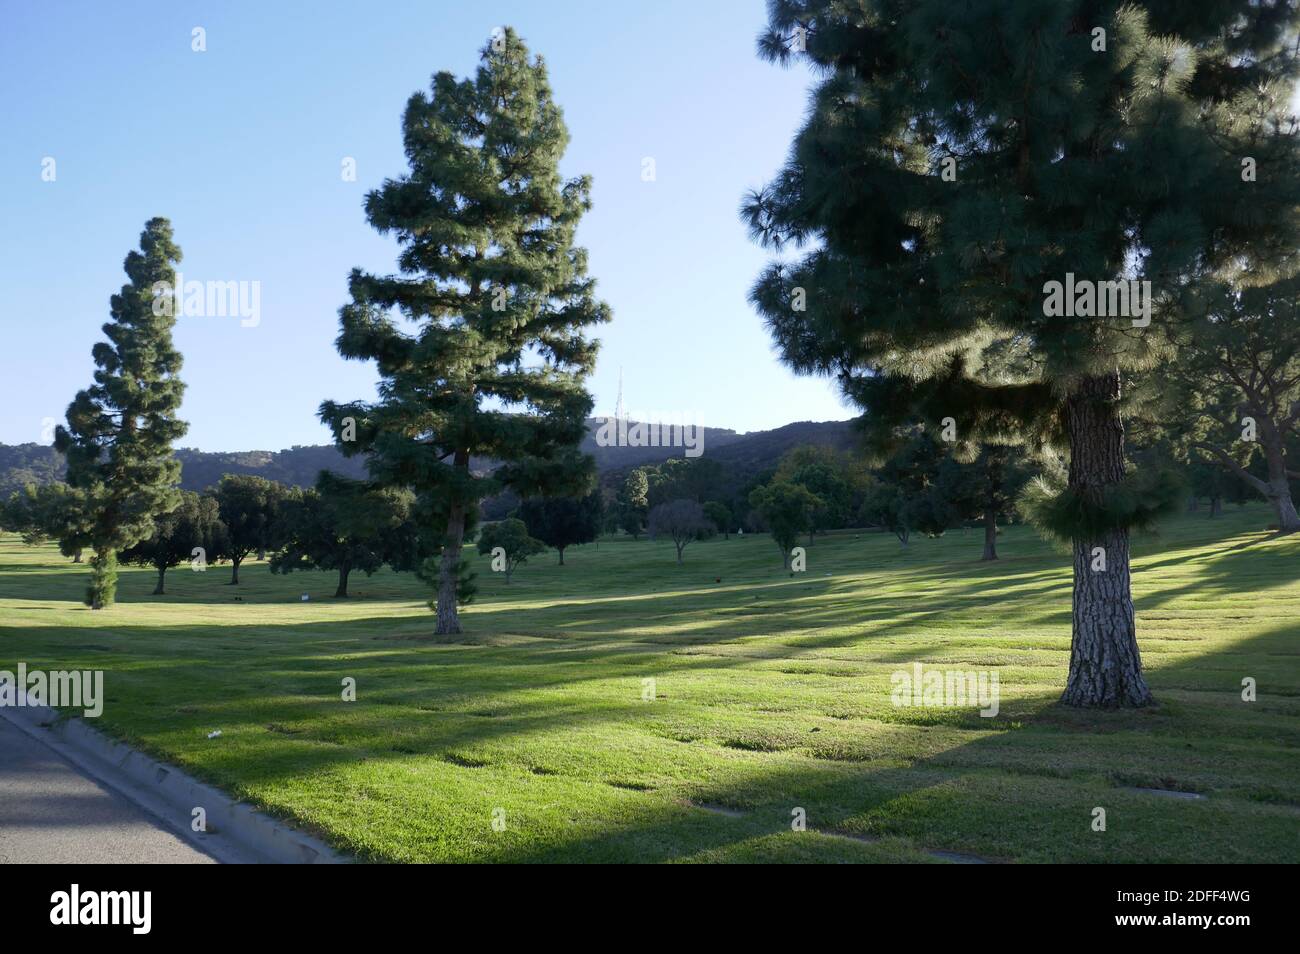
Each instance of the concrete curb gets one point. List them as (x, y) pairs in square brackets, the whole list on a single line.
[(236, 832)]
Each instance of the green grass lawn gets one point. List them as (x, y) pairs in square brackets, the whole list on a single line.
[(772, 693)]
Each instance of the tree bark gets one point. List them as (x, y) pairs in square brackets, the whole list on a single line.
[(1105, 663), (234, 569), (341, 592), (1216, 506), (1279, 487), (990, 533), (560, 550), (76, 557), (158, 590), (448, 616)]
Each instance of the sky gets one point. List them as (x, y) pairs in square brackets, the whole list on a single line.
[(242, 147)]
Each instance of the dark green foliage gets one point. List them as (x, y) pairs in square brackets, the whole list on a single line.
[(1139, 502), (924, 294), (786, 510), (1239, 362), (903, 498), (511, 536), (721, 517), (985, 488), (348, 525), (838, 481), (119, 433), (194, 524), (23, 464), (51, 511), (633, 503), (480, 339), (251, 511), (562, 522)]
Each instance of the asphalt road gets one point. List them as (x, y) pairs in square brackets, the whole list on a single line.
[(50, 812)]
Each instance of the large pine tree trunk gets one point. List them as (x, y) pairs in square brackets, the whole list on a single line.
[(990, 533), (1105, 664), (1279, 488), (448, 618)]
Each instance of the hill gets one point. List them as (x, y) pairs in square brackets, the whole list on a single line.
[(21, 464)]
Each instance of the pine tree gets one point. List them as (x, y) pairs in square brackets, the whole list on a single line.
[(960, 157), (479, 339), (120, 430)]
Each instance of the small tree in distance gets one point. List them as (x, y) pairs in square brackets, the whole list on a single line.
[(195, 523), (511, 536), (787, 510), (682, 520), (348, 525), (721, 516), (562, 522), (251, 510)]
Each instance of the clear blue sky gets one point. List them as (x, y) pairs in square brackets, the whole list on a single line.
[(241, 146)]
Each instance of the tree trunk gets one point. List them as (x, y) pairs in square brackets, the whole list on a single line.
[(680, 547), (560, 550), (234, 570), (158, 590), (448, 617), (448, 576), (1194, 504), (342, 591), (990, 534), (76, 557), (1105, 663), (261, 553), (1216, 506), (1279, 488)]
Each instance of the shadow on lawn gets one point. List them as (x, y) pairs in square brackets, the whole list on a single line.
[(1024, 792)]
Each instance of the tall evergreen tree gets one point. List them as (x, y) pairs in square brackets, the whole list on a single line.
[(958, 158), (120, 430), (479, 339)]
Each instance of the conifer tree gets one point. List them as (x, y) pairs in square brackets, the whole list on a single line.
[(960, 157), (479, 338), (120, 430)]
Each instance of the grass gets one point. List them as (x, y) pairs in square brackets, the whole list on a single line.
[(771, 693)]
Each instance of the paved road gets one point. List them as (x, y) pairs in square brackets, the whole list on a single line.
[(51, 812)]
